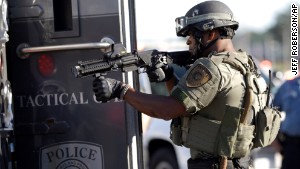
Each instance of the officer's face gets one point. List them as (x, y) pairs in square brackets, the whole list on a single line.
[(197, 48), (191, 41)]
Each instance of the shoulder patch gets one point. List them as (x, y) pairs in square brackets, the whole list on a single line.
[(198, 76)]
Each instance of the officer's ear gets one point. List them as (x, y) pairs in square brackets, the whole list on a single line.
[(213, 34)]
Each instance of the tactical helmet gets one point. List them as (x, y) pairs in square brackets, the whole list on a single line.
[(205, 16)]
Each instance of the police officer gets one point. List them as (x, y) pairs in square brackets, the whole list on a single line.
[(287, 99), (207, 105)]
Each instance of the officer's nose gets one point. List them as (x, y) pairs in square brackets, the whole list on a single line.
[(188, 41)]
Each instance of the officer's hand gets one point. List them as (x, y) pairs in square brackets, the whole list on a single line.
[(160, 74), (107, 89)]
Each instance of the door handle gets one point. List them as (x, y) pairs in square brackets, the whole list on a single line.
[(24, 50)]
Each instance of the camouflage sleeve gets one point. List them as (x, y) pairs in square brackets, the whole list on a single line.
[(198, 87)]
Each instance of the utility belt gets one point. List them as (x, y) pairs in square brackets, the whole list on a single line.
[(213, 163)]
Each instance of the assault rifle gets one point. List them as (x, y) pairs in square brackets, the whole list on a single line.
[(119, 59)]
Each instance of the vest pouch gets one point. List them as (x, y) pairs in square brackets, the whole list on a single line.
[(175, 134), (275, 124), (244, 140), (236, 144), (234, 139), (267, 126), (202, 134)]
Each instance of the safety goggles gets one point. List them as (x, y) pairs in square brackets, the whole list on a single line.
[(183, 22)]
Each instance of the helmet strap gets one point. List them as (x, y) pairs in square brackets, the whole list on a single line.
[(201, 47)]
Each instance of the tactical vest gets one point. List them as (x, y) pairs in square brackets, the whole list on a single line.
[(224, 123)]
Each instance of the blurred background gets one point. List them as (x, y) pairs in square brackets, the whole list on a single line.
[(264, 33)]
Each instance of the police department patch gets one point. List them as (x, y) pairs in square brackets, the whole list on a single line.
[(72, 154), (198, 76)]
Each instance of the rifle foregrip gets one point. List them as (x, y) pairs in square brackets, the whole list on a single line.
[(84, 69)]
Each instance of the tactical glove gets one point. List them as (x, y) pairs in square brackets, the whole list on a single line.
[(107, 89), (161, 74), (159, 70)]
